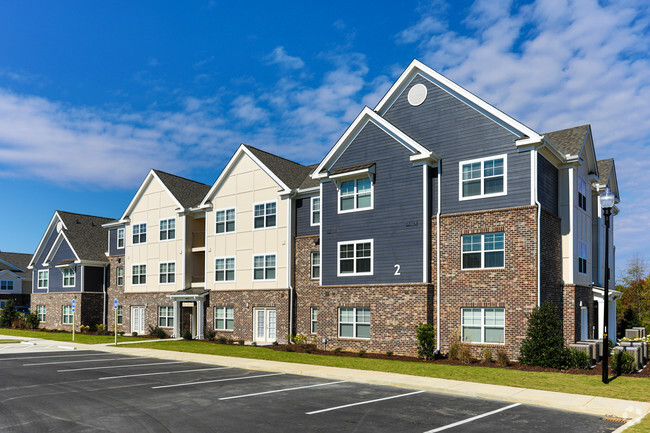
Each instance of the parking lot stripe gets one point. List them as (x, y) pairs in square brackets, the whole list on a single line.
[(474, 418), (163, 372), (363, 402), (83, 360), (17, 358), (104, 367), (280, 390), (216, 380)]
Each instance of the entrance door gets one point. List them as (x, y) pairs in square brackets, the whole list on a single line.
[(264, 325), (584, 324), (137, 320)]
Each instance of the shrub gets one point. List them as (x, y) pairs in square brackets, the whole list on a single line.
[(503, 360), (84, 328), (337, 350), (426, 335), (389, 353), (308, 350), (157, 332), (135, 334), (464, 353), (102, 330), (241, 342), (8, 314), (230, 341), (222, 340), (487, 355), (544, 343), (187, 334), (623, 363), (210, 334), (254, 344), (275, 343), (289, 349), (362, 353), (18, 323), (580, 359), (32, 320), (454, 348)]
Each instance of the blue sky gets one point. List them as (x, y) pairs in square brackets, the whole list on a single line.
[(94, 94)]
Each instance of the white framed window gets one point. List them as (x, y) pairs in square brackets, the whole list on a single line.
[(314, 320), (265, 215), (582, 194), (139, 233), (67, 315), (315, 211), (68, 277), (483, 325), (225, 221), (224, 318), (166, 317), (355, 195), (167, 273), (484, 177), (264, 267), (43, 279), (138, 274), (168, 229), (355, 258), (6, 285), (119, 273), (315, 265), (224, 269), (354, 322), (483, 251), (40, 311), (582, 257), (120, 238), (120, 316)]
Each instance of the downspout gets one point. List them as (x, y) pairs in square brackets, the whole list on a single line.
[(438, 257), (105, 295), (533, 158), (290, 261)]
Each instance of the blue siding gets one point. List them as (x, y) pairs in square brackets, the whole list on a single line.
[(303, 218), (112, 243), (547, 185), (457, 132), (56, 274), (395, 224), (38, 263)]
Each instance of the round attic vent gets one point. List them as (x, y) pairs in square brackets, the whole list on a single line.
[(417, 94), (59, 226)]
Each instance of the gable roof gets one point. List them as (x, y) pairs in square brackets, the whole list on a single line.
[(607, 171), (308, 182), (16, 262), (569, 141), (85, 235)]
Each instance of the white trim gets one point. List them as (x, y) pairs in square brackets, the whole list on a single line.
[(264, 216), (117, 238), (355, 173), (482, 252), (63, 277), (48, 232), (55, 248), (145, 274), (167, 230), (225, 318), (438, 279), (483, 325), (143, 186), (320, 236), (225, 270), (166, 273), (571, 230), (425, 223), (354, 195), (354, 323), (225, 220), (482, 178), (289, 248), (311, 210), (534, 198), (146, 232), (313, 309), (311, 265), (276, 267), (354, 242)]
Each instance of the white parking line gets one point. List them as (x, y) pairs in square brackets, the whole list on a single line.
[(280, 390), (362, 402), (448, 426), (83, 360), (118, 366), (216, 380), (162, 372), (56, 356)]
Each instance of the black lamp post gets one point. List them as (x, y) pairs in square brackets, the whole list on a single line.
[(606, 203)]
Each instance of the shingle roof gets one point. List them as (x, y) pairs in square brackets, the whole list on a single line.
[(569, 141), (289, 172), (352, 168), (308, 182), (18, 260), (604, 167), (188, 192), (86, 235)]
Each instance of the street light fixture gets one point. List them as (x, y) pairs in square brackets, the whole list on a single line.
[(606, 203)]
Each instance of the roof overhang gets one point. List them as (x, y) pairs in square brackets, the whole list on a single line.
[(600, 293), (7, 271), (147, 180)]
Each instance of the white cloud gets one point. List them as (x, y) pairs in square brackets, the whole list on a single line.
[(280, 57)]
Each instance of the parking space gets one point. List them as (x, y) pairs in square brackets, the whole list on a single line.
[(77, 391)]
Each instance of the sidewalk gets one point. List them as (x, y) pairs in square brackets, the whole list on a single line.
[(572, 402)]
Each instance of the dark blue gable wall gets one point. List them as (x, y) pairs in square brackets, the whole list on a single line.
[(56, 274), (303, 218), (395, 223), (112, 243), (38, 264), (547, 184), (457, 132)]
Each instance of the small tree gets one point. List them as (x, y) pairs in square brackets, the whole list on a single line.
[(544, 343), (629, 319), (8, 314), (426, 341)]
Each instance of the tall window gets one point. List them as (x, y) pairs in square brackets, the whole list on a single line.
[(6, 285), (582, 194), (483, 177), (167, 229), (265, 215), (68, 277), (355, 195), (120, 275), (264, 267), (120, 317), (166, 317), (40, 310), (224, 269), (582, 257), (314, 320), (168, 273), (315, 211), (354, 322), (355, 258), (67, 315), (139, 274), (139, 233), (224, 318), (315, 265), (225, 220), (120, 238), (483, 251), (483, 325), (43, 279)]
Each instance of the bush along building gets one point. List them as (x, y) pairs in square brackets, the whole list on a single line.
[(433, 207)]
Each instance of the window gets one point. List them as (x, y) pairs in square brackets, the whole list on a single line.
[(483, 325), (483, 251), (120, 317), (120, 238), (314, 320), (67, 315), (68, 277), (167, 229), (139, 233), (166, 317), (483, 177), (355, 258), (354, 322), (168, 273), (40, 311), (6, 285), (315, 265), (355, 195), (265, 215), (224, 318), (582, 257), (315, 211), (582, 194), (139, 274), (264, 267), (43, 279), (120, 276), (225, 220), (224, 269)]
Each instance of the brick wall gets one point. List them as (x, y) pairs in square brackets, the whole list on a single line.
[(576, 297), (88, 309), (306, 288)]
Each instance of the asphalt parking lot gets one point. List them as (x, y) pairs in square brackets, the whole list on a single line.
[(56, 389)]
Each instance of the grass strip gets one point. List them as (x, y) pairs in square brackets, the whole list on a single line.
[(66, 336)]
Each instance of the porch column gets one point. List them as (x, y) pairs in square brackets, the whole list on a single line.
[(199, 319), (601, 317), (177, 319)]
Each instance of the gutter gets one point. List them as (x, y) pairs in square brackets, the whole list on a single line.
[(290, 261)]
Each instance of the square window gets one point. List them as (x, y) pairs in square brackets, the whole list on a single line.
[(483, 325), (224, 318), (6, 285), (139, 274), (167, 229), (264, 267), (483, 251), (139, 233), (68, 277), (224, 269), (265, 215), (167, 273), (225, 221), (354, 322), (67, 315), (355, 258), (355, 195), (166, 317), (483, 177), (43, 279)]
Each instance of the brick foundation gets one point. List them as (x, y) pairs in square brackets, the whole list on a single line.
[(88, 309)]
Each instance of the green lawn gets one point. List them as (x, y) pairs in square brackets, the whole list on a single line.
[(66, 336)]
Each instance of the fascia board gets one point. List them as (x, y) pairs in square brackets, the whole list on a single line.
[(307, 191), (7, 271), (150, 176), (115, 224), (41, 244)]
